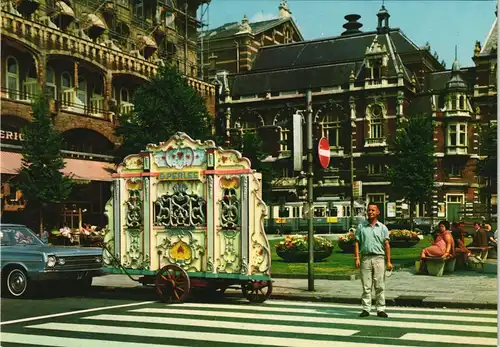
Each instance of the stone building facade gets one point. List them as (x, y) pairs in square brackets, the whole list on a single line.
[(233, 46), (363, 85), (92, 56)]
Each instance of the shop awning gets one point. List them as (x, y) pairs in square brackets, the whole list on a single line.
[(79, 169)]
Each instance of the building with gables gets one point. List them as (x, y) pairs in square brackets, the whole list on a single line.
[(364, 83), (233, 46), (92, 56)]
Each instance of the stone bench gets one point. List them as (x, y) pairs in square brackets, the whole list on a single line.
[(436, 266), (479, 256)]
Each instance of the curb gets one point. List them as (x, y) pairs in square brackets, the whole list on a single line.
[(394, 302), (148, 292)]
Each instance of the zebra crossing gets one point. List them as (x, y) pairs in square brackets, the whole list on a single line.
[(273, 323)]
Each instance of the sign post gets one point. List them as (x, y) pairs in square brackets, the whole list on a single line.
[(310, 267)]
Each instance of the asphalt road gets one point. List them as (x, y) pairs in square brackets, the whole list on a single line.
[(135, 318)]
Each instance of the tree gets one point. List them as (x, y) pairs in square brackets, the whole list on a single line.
[(251, 146), (412, 171), (487, 167), (40, 177), (162, 107)]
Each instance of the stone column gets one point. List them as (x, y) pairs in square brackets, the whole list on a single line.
[(41, 67)]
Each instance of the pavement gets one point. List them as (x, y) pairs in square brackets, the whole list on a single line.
[(464, 289)]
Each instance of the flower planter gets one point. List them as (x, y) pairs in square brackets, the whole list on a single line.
[(347, 247), (303, 256), (404, 243)]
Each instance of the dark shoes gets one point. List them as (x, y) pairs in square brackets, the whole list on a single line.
[(382, 314), (364, 313)]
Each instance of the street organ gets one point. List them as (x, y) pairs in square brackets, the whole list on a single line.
[(185, 214)]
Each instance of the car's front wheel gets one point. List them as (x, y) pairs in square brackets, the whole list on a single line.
[(16, 283)]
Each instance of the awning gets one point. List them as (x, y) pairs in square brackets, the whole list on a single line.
[(79, 169)]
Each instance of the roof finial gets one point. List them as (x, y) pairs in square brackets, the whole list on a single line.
[(455, 52)]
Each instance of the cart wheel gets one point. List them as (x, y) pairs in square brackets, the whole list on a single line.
[(257, 291), (172, 284)]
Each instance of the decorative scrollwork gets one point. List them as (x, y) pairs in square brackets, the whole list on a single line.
[(134, 257), (229, 260), (134, 209), (180, 247), (230, 209), (180, 209)]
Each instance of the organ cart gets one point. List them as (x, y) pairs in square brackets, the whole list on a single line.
[(189, 214)]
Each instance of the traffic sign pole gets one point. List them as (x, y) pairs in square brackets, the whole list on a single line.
[(310, 267)]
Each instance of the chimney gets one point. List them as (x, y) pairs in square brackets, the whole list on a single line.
[(352, 26)]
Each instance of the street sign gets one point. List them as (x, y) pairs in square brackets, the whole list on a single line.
[(297, 142), (324, 152)]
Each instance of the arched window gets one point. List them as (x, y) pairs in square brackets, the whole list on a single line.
[(248, 125), (30, 85), (284, 127), (66, 81), (12, 78), (51, 83), (376, 122), (330, 127), (82, 90), (124, 96)]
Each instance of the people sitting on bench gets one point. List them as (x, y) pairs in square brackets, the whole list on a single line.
[(443, 246), (480, 238), (458, 234), (492, 240)]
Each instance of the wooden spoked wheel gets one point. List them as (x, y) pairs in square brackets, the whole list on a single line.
[(172, 284), (257, 291)]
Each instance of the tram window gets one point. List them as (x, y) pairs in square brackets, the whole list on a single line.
[(319, 212), (296, 212), (284, 212), (359, 211), (333, 211)]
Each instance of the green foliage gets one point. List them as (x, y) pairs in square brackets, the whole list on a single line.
[(40, 177), (488, 147), (251, 147), (412, 172), (162, 107)]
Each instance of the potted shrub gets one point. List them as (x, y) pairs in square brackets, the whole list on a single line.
[(294, 248), (403, 238), (346, 242)]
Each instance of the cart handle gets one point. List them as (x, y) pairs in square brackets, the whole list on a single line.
[(119, 264)]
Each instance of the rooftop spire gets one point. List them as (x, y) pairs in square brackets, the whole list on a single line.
[(284, 10), (383, 20)]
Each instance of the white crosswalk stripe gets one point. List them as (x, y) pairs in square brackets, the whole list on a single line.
[(274, 323), (358, 322)]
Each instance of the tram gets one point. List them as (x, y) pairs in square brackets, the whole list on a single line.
[(330, 215)]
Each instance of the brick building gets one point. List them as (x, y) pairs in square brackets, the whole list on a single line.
[(92, 56), (233, 46), (363, 84)]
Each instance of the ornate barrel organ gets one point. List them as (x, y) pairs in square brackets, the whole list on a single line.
[(191, 204)]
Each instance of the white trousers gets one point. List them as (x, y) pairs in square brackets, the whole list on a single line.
[(373, 274)]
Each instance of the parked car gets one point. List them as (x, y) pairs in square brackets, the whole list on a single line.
[(26, 260), (420, 225)]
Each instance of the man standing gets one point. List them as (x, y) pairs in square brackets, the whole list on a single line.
[(372, 243)]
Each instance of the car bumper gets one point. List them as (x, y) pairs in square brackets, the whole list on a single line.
[(54, 275)]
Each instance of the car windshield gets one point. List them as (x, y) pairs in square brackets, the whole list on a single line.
[(17, 235)]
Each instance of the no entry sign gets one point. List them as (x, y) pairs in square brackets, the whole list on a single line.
[(324, 152)]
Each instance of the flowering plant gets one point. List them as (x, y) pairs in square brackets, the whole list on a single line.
[(347, 238), (403, 234), (299, 243)]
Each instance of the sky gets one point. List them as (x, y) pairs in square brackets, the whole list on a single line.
[(443, 24)]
